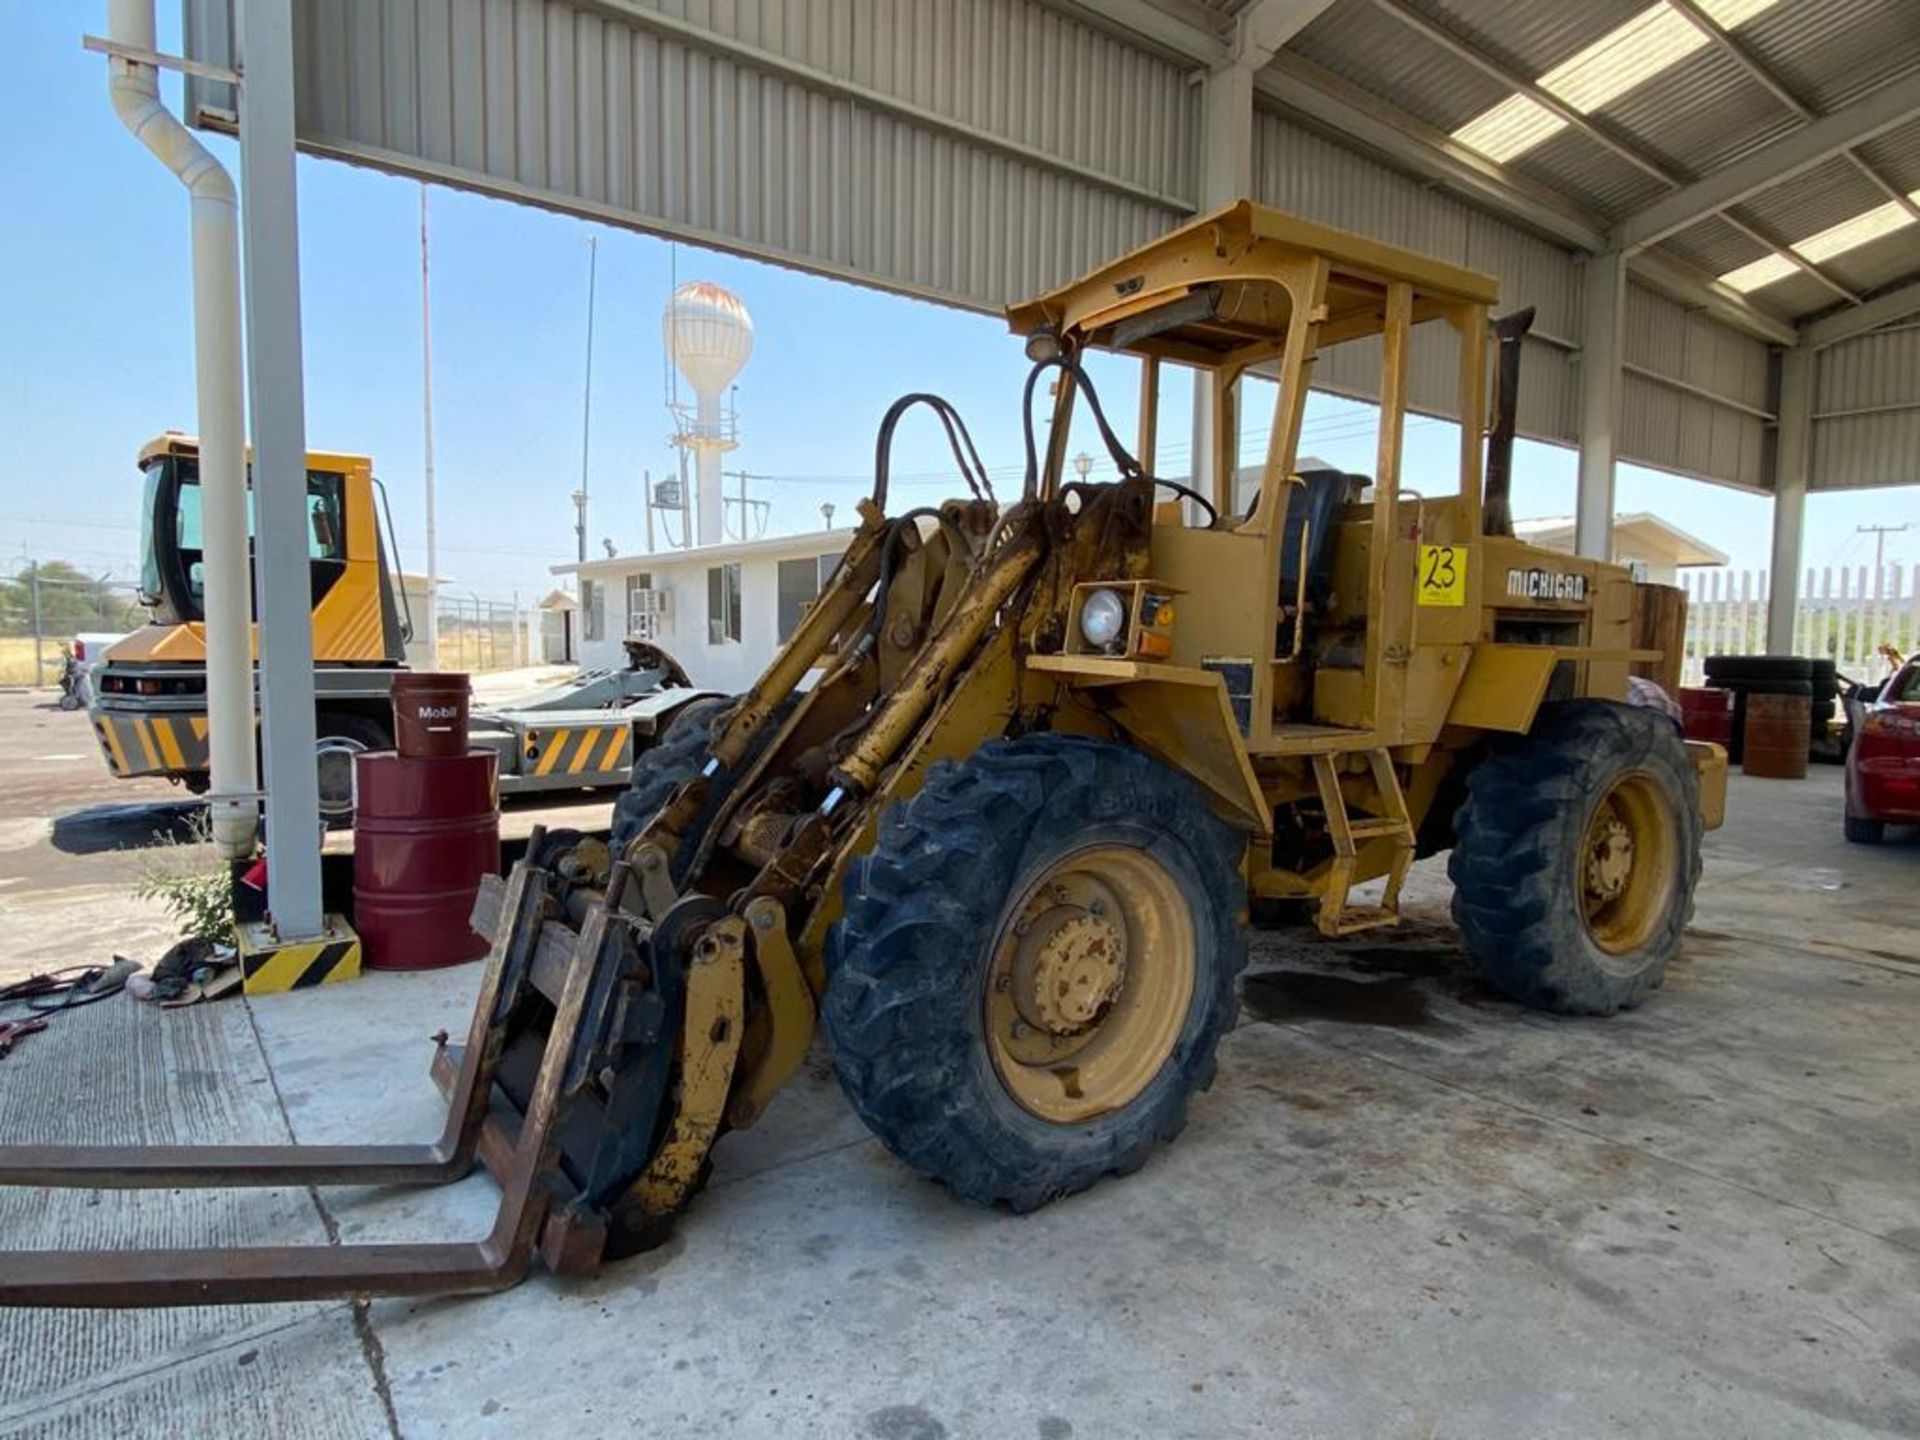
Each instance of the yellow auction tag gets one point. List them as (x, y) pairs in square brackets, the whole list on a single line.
[(1443, 575)]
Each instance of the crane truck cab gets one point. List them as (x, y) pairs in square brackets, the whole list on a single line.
[(149, 695), (149, 705)]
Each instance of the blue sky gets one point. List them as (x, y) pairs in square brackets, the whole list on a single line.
[(96, 314)]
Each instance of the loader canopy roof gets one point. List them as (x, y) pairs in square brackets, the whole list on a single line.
[(1229, 281)]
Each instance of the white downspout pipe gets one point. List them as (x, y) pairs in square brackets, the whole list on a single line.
[(227, 601)]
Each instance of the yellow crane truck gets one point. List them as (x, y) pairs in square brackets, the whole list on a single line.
[(149, 706), (1001, 848)]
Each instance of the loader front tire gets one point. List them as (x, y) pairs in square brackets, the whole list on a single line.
[(1035, 965), (1577, 857), (662, 769)]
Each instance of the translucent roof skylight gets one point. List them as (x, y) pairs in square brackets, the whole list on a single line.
[(1834, 240), (1626, 56)]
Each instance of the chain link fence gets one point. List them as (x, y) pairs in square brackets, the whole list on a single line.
[(476, 635), (44, 608)]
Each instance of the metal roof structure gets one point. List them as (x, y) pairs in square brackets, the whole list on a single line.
[(1712, 96), (1714, 205)]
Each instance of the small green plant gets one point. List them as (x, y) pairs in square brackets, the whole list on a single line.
[(194, 886)]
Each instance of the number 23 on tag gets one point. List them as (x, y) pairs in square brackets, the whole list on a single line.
[(1443, 575)]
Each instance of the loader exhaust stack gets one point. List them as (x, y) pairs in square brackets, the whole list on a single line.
[(1511, 333)]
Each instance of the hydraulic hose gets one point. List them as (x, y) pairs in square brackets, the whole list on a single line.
[(1123, 460)]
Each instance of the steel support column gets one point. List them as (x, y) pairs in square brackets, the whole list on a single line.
[(1604, 283), (1226, 175), (1792, 456), (276, 392), (1260, 30)]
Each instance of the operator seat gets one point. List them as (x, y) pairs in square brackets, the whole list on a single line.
[(1318, 501)]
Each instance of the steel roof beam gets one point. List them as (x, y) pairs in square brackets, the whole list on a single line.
[(1896, 304), (1682, 283), (1359, 117), (1264, 26), (1586, 125), (1757, 72), (1769, 166), (1158, 25)]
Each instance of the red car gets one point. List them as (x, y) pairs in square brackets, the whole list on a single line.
[(1883, 767)]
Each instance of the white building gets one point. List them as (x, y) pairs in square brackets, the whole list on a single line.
[(1654, 549), (721, 610)]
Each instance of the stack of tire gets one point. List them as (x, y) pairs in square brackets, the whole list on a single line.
[(1786, 675)]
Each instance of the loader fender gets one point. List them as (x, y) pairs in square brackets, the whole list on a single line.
[(1192, 728), (1503, 687), (1181, 715)]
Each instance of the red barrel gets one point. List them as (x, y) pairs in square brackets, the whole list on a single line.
[(1777, 736), (430, 714), (1707, 715), (425, 831)]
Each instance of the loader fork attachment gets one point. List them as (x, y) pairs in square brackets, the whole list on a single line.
[(571, 1012)]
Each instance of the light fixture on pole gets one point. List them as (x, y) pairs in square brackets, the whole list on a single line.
[(1082, 464), (580, 521)]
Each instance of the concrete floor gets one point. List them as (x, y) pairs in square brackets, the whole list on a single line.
[(1408, 1208)]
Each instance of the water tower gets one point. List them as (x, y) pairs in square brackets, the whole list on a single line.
[(709, 337)]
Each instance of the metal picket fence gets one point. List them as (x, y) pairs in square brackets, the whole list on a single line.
[(1845, 614)]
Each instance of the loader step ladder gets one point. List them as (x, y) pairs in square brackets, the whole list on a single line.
[(1336, 917)]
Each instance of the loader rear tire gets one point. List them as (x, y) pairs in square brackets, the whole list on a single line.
[(1104, 876), (1577, 858)]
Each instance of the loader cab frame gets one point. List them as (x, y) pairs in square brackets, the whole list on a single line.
[(1250, 293)]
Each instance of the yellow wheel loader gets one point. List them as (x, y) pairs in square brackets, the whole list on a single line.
[(994, 816)]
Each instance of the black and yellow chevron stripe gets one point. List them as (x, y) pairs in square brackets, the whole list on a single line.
[(581, 749), (268, 966), (153, 744)]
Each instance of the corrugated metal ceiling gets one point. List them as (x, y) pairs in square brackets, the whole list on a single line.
[(1818, 198), (1358, 41), (1714, 247), (1897, 154), (1831, 51)]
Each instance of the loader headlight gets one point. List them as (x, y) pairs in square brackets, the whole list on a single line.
[(1044, 344), (1102, 618)]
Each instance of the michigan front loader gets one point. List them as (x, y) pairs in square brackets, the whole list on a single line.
[(994, 816)]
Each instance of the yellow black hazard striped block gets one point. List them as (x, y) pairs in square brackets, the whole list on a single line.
[(269, 965), (589, 751), (173, 744)]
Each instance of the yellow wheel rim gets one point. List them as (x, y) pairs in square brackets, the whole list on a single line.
[(1627, 864), (1090, 984)]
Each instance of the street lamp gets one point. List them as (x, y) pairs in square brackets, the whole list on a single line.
[(1082, 464)]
